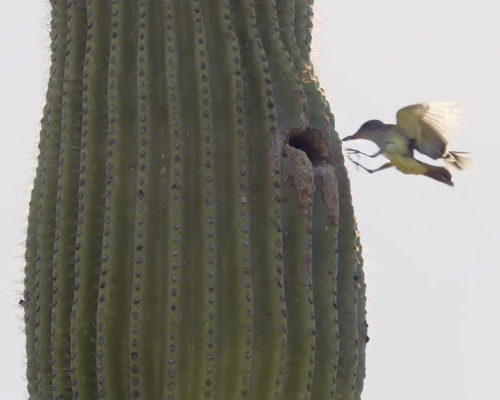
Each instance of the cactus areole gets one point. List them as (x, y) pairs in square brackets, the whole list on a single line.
[(191, 232)]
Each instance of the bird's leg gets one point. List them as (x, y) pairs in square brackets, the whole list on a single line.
[(371, 171), (354, 151)]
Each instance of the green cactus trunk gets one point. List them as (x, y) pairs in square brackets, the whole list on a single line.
[(191, 232)]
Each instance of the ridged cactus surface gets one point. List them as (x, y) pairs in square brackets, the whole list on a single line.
[(191, 233)]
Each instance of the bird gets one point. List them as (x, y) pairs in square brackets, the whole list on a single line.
[(423, 127)]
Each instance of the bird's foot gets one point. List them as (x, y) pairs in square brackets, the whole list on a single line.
[(358, 165)]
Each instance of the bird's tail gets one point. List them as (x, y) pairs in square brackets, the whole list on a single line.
[(459, 160), (440, 174)]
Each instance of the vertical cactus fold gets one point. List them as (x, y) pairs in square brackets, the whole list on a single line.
[(46, 223), (347, 285), (191, 233), (362, 324), (172, 193), (30, 287), (297, 197), (119, 269), (325, 269), (145, 334), (67, 206), (199, 267), (263, 194), (91, 191), (234, 300)]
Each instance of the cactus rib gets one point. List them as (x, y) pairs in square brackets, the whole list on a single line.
[(174, 223), (297, 193), (325, 269), (362, 324), (290, 100), (269, 324), (200, 275), (47, 204), (91, 187), (234, 300), (347, 269), (67, 199), (117, 262)]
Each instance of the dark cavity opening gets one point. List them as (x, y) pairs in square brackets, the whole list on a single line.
[(313, 142)]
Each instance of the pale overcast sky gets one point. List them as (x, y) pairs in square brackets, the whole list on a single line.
[(432, 252)]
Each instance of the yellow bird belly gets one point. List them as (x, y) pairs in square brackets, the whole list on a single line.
[(406, 165), (397, 150)]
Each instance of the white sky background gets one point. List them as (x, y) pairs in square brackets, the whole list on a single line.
[(432, 252)]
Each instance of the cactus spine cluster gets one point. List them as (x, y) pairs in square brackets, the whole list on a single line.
[(191, 232)]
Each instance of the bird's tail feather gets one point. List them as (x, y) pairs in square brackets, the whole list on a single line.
[(440, 174), (459, 160)]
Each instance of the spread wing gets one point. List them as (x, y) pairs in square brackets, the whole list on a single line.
[(431, 126)]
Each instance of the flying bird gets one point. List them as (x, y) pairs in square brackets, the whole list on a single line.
[(423, 127)]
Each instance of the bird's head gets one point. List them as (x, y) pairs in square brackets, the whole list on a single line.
[(366, 131)]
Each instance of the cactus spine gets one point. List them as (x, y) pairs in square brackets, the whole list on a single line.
[(191, 232)]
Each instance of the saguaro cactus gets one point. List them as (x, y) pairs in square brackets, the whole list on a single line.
[(191, 232)]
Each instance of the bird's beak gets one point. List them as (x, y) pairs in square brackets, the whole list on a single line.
[(347, 138)]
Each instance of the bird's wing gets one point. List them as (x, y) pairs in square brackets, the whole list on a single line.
[(430, 125)]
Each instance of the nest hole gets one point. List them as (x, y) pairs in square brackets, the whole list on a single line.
[(313, 142)]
